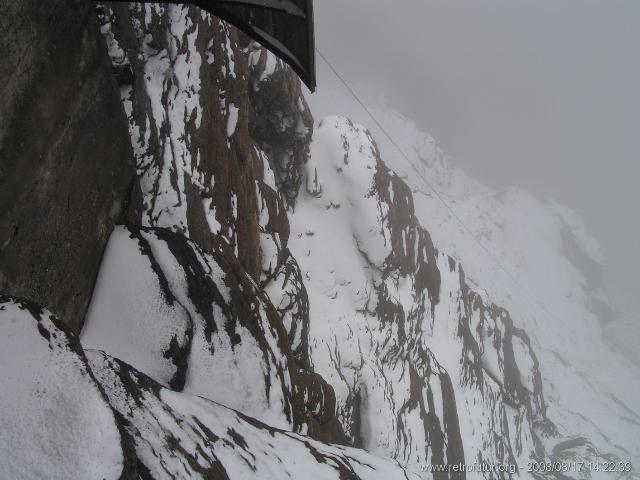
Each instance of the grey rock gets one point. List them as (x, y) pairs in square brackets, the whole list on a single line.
[(66, 167)]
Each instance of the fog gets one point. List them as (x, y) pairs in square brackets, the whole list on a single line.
[(538, 94)]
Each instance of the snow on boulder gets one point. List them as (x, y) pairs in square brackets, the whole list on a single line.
[(55, 421)]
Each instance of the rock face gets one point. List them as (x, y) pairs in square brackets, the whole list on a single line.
[(385, 300), (197, 322), (184, 436), (62, 188), (192, 125), (207, 168)]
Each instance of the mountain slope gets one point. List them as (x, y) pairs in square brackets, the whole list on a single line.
[(60, 424), (289, 304), (396, 329), (536, 259)]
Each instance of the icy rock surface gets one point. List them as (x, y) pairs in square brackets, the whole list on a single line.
[(536, 259), (181, 436), (55, 421), (196, 322), (394, 321)]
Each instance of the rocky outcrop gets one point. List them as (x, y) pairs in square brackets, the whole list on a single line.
[(72, 415), (66, 170), (195, 321), (373, 283), (426, 368), (195, 92)]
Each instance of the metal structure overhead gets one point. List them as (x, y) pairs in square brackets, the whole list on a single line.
[(285, 27)]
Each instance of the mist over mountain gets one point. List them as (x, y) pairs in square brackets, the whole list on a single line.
[(538, 95)]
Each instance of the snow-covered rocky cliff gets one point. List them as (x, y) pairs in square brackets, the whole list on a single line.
[(535, 258), (288, 301)]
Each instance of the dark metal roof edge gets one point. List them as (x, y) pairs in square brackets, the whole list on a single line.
[(312, 46), (286, 6), (308, 77)]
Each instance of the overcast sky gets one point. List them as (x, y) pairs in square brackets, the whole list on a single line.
[(542, 94)]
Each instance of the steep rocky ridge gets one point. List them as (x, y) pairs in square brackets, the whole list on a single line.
[(197, 322), (423, 366), (535, 258)]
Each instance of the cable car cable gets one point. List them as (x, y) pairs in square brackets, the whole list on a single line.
[(537, 303)]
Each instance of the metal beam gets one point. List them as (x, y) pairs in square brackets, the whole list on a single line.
[(286, 6), (284, 27)]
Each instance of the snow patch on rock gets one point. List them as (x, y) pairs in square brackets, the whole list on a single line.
[(55, 421)]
